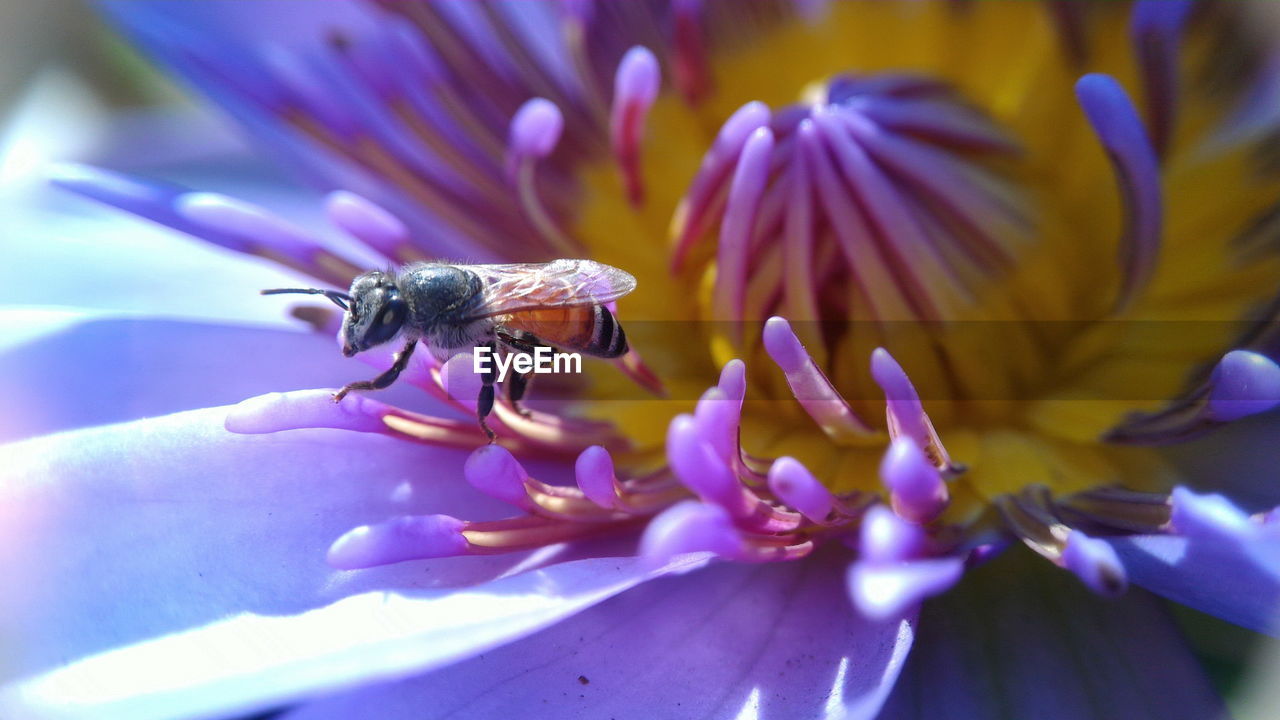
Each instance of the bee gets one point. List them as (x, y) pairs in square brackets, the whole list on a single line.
[(455, 308)]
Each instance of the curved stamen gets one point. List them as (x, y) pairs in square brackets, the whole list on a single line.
[(1243, 383), (535, 131), (372, 225), (905, 412), (706, 196), (894, 568), (695, 462), (745, 191), (692, 67), (1116, 123), (810, 385), (635, 87), (692, 526), (916, 488), (796, 486)]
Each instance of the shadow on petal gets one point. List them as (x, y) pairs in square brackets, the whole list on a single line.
[(1019, 638)]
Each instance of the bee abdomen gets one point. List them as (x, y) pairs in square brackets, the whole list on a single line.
[(607, 337)]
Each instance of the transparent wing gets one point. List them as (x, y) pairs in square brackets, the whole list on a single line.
[(560, 283)]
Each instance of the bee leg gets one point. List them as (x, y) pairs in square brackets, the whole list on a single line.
[(516, 388), (386, 378), (484, 403)]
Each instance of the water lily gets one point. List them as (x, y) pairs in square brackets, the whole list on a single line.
[(939, 305)]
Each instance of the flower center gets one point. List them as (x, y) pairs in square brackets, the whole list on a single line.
[(886, 210)]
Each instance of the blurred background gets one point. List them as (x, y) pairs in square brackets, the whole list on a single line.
[(72, 90)]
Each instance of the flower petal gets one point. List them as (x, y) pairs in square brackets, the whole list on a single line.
[(1218, 561), (1019, 639), (777, 640), (75, 254), (92, 370), (194, 527)]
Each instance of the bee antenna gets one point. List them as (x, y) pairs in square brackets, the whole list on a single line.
[(339, 298)]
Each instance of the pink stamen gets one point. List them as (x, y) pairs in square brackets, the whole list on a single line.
[(370, 224), (740, 215), (904, 411), (595, 475), (535, 131), (916, 488), (796, 486), (716, 417), (495, 472), (411, 537), (700, 209), (635, 88), (810, 385), (1095, 562), (696, 464), (692, 68)]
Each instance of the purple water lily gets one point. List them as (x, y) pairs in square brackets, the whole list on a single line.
[(946, 282)]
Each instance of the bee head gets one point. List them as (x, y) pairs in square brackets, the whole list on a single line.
[(376, 312)]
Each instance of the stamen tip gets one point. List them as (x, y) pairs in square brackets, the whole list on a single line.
[(885, 537), (690, 526), (1244, 383), (494, 471), (299, 409), (1096, 563), (783, 346), (917, 490), (536, 128), (792, 482), (594, 472), (410, 537)]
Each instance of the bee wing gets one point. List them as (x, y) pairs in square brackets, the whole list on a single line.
[(524, 287)]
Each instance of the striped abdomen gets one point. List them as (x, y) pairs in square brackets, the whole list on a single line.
[(589, 329)]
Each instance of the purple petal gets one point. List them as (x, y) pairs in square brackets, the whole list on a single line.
[(731, 641), (205, 589), (58, 379), (1020, 639), (1216, 560)]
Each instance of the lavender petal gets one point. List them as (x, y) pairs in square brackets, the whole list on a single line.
[(1215, 559), (222, 538), (772, 641)]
